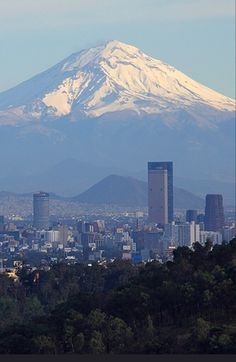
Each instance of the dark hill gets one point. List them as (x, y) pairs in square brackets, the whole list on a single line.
[(128, 191)]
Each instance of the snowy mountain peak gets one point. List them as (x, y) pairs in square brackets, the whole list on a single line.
[(109, 78), (95, 55)]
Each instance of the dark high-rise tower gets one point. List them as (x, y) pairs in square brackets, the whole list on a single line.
[(191, 215), (158, 167), (214, 212), (1, 222), (41, 210)]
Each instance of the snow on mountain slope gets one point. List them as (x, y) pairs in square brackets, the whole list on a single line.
[(110, 78)]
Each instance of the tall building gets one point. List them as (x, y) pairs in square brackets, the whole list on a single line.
[(158, 196), (157, 193), (41, 210), (229, 232), (1, 222), (153, 241), (171, 232), (191, 215), (200, 218), (214, 212), (188, 233), (214, 236), (182, 234)]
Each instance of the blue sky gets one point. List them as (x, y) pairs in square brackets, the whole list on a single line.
[(195, 36)]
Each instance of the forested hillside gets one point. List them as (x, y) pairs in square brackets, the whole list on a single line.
[(184, 306)]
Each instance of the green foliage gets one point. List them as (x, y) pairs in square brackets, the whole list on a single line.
[(96, 344), (9, 311), (119, 336), (45, 345), (201, 330), (79, 343), (184, 306)]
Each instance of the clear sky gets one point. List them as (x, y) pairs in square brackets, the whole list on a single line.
[(195, 36)]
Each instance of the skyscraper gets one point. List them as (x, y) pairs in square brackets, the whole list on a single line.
[(188, 233), (41, 210), (214, 212), (153, 168), (191, 215), (1, 222), (1, 219)]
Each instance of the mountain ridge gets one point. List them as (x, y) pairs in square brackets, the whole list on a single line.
[(184, 128), (113, 77), (124, 191), (128, 191)]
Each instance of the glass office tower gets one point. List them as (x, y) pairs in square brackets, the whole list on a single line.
[(168, 166), (191, 215), (214, 212), (41, 210)]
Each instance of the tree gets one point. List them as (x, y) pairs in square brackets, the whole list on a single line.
[(119, 336), (45, 345), (199, 338), (97, 320), (79, 341), (96, 345)]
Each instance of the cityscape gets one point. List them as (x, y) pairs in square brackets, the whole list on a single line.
[(117, 180), (139, 235)]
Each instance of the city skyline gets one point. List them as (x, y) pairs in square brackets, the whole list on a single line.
[(117, 184)]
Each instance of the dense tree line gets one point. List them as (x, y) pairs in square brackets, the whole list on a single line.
[(187, 305)]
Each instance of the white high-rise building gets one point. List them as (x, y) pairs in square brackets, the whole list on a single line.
[(214, 236), (184, 234), (188, 233), (50, 236), (229, 232)]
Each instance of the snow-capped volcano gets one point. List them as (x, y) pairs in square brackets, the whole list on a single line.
[(109, 78), (113, 106)]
